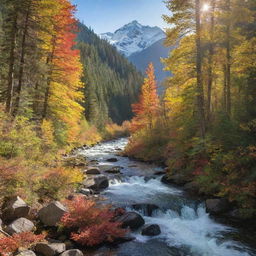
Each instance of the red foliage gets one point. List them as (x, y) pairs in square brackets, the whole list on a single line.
[(94, 224), (25, 240)]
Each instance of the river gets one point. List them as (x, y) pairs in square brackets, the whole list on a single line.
[(186, 228)]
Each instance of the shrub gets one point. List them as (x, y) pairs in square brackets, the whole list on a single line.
[(9, 245), (93, 224), (57, 182), (89, 135), (113, 131)]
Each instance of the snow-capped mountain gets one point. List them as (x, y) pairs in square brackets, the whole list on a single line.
[(134, 37)]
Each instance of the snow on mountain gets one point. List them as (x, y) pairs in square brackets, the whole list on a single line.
[(133, 37)]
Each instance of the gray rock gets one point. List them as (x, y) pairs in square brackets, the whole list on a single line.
[(92, 171), (131, 220), (73, 252), (217, 206), (147, 209), (51, 214), (158, 173), (50, 249), (151, 230), (191, 187), (15, 208), (20, 225), (27, 253), (1, 223), (112, 160), (178, 179), (114, 170), (69, 244), (98, 182), (85, 191)]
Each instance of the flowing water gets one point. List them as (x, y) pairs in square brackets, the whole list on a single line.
[(187, 230)]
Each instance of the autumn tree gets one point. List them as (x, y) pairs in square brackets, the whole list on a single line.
[(146, 109)]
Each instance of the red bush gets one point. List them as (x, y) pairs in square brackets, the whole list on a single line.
[(94, 224), (13, 243)]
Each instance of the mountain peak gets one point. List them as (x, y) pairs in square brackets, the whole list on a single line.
[(133, 37)]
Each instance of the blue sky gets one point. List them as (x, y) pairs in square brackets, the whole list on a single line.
[(109, 15)]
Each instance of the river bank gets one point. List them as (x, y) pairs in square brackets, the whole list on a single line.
[(186, 227)]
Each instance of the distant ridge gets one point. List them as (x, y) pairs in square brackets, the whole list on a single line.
[(133, 37)]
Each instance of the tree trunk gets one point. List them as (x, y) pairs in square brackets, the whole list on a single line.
[(22, 62), (9, 96), (228, 61), (210, 61), (49, 79), (225, 88), (200, 89)]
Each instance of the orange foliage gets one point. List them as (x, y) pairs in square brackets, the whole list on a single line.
[(147, 107), (65, 94), (94, 224), (116, 131)]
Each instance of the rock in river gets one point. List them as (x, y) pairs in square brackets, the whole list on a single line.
[(178, 179), (92, 171), (147, 209), (151, 230), (131, 220), (217, 206), (98, 182), (112, 160)]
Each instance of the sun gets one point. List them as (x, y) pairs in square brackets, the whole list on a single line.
[(205, 7)]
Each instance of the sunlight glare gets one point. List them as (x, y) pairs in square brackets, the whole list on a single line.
[(205, 7)]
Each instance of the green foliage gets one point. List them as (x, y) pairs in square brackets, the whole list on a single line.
[(112, 83), (27, 151)]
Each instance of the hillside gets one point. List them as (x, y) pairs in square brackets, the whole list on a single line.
[(111, 82)]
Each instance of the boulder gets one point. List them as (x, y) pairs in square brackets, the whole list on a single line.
[(15, 208), (98, 182), (125, 239), (27, 253), (114, 170), (92, 171), (51, 214), (158, 173), (69, 244), (178, 179), (19, 226), (147, 209), (112, 160), (73, 252), (191, 187), (50, 249), (85, 191), (132, 166), (131, 220), (217, 206), (151, 230)]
